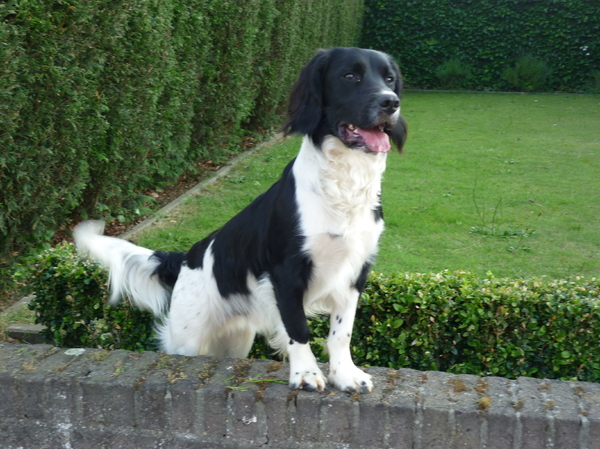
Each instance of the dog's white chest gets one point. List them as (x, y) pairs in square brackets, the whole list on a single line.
[(338, 192)]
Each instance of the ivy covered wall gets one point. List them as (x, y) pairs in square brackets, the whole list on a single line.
[(489, 37)]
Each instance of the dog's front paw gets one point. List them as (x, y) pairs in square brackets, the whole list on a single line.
[(351, 379), (309, 380)]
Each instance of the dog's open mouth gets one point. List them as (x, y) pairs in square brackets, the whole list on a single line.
[(373, 140)]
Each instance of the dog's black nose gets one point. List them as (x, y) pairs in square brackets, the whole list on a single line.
[(389, 102)]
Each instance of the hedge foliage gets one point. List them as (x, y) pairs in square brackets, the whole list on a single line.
[(455, 322), (460, 323), (101, 100), (489, 36)]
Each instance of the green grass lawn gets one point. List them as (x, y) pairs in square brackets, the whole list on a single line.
[(502, 183)]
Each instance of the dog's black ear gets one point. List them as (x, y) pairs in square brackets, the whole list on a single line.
[(399, 133), (306, 99), (398, 76)]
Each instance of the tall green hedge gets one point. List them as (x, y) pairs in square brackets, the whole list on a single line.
[(101, 100), (489, 36)]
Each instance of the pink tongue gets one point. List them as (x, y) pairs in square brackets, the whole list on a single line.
[(376, 140)]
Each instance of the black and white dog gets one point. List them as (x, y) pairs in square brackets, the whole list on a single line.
[(305, 246)]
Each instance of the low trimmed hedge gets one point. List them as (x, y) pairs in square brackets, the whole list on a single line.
[(70, 301), (461, 323), (455, 322)]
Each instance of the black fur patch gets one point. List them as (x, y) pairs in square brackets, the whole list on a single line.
[(170, 265), (195, 256), (261, 239), (361, 281)]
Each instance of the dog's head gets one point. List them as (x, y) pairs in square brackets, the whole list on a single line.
[(352, 94)]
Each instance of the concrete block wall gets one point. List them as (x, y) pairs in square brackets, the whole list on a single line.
[(87, 398)]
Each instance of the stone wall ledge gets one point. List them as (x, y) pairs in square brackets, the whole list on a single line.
[(92, 398)]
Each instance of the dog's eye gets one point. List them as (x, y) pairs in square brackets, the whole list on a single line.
[(389, 79), (352, 76)]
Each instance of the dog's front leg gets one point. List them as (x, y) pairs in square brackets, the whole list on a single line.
[(304, 371), (342, 371)]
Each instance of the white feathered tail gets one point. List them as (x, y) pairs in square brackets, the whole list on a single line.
[(131, 268)]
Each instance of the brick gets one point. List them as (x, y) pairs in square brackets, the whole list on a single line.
[(184, 383), (338, 412), (588, 398), (63, 397), (533, 414), (152, 398), (29, 434), (179, 442), (403, 394), (183, 400), (246, 410), (243, 415), (371, 427), (9, 395), (153, 395), (96, 391), (150, 403), (213, 406), (91, 438), (214, 411), (561, 403), (463, 392), (276, 400), (437, 407), (32, 382), (498, 409), (107, 438), (126, 375), (305, 414), (15, 361), (15, 357)]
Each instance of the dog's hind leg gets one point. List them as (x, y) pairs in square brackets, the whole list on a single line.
[(183, 339), (195, 315), (234, 341)]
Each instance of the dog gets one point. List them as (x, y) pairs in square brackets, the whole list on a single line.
[(303, 247)]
